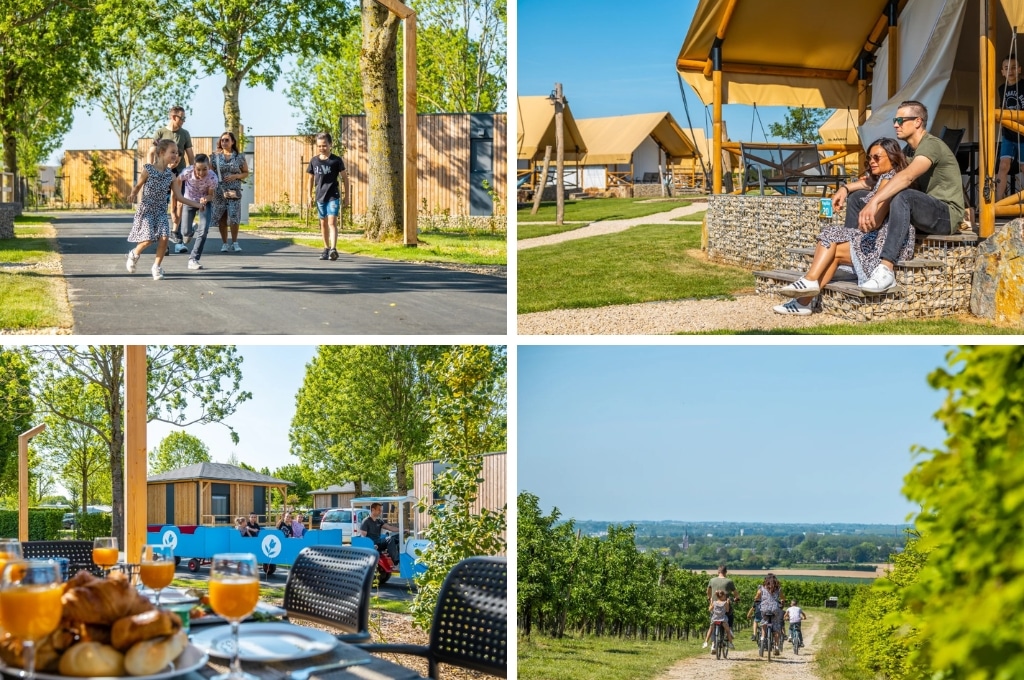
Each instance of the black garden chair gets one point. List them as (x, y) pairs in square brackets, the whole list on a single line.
[(330, 584), (77, 553)]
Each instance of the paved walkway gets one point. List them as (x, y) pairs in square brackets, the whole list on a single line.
[(272, 287), (610, 226)]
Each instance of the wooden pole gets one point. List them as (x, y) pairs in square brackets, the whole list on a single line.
[(986, 159), (559, 155), (716, 132), (135, 390), (541, 181), (411, 139), (894, 52), (23, 439)]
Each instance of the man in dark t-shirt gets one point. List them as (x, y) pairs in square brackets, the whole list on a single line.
[(1011, 98), (372, 527)]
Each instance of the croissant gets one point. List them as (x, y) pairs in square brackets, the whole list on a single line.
[(131, 629), (88, 599), (47, 651)]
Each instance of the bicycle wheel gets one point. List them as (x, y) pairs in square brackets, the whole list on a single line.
[(760, 642)]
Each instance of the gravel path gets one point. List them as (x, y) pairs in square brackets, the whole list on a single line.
[(745, 313), (748, 665), (610, 226)]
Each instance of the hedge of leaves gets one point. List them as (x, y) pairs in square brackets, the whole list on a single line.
[(43, 525), (604, 586)]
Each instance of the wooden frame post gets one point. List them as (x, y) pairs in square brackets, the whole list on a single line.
[(894, 49), (987, 189), (23, 439), (410, 201), (559, 102), (135, 506), (716, 118)]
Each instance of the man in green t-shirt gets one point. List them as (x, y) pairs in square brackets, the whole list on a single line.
[(934, 206), (180, 136), (723, 582)]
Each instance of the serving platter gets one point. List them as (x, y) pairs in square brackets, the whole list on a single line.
[(192, 659), (265, 642)]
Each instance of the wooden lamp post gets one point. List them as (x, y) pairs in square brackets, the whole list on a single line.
[(135, 381), (23, 439)]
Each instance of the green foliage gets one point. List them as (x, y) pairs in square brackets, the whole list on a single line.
[(43, 525), (877, 640), (99, 180), (17, 407), (968, 601), (177, 450), (294, 473), (90, 525), (468, 417), (326, 86), (801, 125)]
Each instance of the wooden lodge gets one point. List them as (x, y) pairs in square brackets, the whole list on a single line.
[(492, 493), (334, 496), (209, 494)]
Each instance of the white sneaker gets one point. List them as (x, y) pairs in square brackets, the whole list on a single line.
[(192, 264), (802, 287), (158, 272), (180, 248), (793, 307), (235, 247), (882, 280), (130, 260), (705, 645), (224, 248)]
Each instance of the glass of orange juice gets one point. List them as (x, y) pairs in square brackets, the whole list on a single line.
[(10, 550), (104, 553), (30, 592), (157, 567), (234, 592)]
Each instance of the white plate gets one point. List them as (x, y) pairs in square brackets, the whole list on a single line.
[(171, 596), (192, 659), (265, 641)]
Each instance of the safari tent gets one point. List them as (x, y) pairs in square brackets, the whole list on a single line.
[(535, 130), (697, 166), (870, 54), (842, 128), (624, 150)]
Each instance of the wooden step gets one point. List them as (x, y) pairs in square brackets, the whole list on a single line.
[(916, 263), (846, 287)]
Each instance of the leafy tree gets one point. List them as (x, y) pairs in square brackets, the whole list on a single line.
[(246, 39), (136, 85), (177, 450), (461, 55), (801, 125), (361, 415), (326, 86), (467, 413), (971, 495), (378, 68), (17, 406), (46, 49), (205, 376), (294, 473), (78, 455)]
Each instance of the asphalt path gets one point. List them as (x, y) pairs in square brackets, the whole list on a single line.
[(271, 288)]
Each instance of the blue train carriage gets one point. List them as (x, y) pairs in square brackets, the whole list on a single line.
[(411, 548), (198, 544)]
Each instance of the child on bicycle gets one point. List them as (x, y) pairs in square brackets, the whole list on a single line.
[(755, 614), (794, 615), (719, 609)]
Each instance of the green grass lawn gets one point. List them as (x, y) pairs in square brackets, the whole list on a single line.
[(642, 264), (835, 659), (476, 246), (599, 658), (951, 326), (594, 209), (32, 290)]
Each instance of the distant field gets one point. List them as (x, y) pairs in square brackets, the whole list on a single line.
[(812, 574)]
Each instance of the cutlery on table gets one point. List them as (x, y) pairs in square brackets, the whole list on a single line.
[(306, 672)]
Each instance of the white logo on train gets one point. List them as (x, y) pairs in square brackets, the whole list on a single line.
[(271, 546), (171, 539)]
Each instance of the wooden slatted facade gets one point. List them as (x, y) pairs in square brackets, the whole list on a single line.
[(278, 168), (492, 493)]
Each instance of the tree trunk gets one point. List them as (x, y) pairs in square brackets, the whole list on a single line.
[(11, 162), (232, 114), (378, 65)]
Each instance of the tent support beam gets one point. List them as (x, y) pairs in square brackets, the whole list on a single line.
[(726, 18), (759, 69), (894, 49), (862, 101), (987, 93), (716, 119)]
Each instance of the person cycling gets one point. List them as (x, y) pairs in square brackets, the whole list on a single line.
[(794, 615), (768, 599), (720, 608), (755, 614), (723, 582)]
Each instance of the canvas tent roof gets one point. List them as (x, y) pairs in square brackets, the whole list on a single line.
[(703, 145), (841, 127), (535, 130), (612, 140)]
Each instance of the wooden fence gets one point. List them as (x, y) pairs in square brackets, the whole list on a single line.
[(492, 493), (278, 167)]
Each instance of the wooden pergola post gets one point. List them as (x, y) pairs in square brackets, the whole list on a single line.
[(135, 389), (23, 439), (894, 48), (410, 200), (987, 189)]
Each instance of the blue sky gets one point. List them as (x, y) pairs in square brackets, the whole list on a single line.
[(631, 433), (614, 59), (273, 374)]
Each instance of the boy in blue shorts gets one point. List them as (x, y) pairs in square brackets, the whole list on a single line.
[(325, 170)]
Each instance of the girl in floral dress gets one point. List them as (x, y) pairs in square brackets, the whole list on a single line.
[(151, 223)]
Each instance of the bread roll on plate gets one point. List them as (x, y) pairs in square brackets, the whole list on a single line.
[(152, 656), (91, 660)]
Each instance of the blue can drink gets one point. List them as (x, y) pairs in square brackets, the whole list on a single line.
[(826, 208)]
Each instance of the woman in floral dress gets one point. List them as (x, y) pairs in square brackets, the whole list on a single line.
[(231, 169)]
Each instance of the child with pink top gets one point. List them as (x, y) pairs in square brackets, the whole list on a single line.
[(198, 184)]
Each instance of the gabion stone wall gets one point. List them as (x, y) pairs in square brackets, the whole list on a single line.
[(8, 211), (647, 191), (755, 231)]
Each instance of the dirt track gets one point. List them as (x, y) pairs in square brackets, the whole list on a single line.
[(745, 664)]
